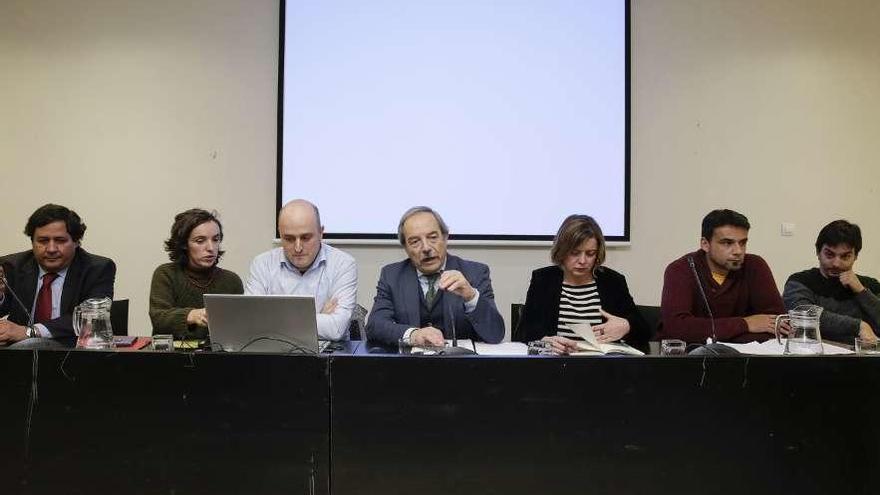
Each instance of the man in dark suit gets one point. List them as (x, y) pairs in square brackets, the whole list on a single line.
[(54, 276), (418, 299)]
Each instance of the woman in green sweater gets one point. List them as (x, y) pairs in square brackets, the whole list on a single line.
[(176, 303)]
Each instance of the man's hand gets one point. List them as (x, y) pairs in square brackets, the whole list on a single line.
[(851, 281), (330, 306), (866, 333), (427, 336), (11, 333), (453, 281), (612, 330), (561, 345), (764, 324), (197, 317)]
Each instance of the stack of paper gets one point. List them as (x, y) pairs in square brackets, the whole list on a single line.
[(773, 348)]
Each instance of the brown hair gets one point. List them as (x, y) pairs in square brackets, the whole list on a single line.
[(183, 225), (575, 230)]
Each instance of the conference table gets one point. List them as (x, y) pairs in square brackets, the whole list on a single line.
[(367, 420)]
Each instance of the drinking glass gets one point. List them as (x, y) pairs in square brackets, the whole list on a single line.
[(672, 347), (867, 347), (162, 343)]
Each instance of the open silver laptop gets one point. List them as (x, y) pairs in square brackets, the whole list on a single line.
[(277, 323)]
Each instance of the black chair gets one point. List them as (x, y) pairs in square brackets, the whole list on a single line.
[(651, 314), (515, 314), (119, 317), (358, 323)]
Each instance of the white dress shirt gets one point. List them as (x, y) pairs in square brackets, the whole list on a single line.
[(469, 306), (57, 289), (332, 275)]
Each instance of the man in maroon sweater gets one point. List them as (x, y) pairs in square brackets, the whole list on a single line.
[(740, 287)]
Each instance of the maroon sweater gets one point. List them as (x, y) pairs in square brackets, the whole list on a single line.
[(748, 291)]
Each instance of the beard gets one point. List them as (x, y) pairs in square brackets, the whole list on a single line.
[(733, 265)]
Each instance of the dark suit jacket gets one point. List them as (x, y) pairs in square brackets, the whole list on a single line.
[(396, 306), (88, 276), (540, 315)]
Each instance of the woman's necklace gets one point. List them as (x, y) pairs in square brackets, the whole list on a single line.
[(201, 282)]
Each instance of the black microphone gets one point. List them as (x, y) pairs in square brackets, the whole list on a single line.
[(713, 349), (703, 295), (450, 322), (15, 296)]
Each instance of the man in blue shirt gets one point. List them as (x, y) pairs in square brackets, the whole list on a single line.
[(305, 266)]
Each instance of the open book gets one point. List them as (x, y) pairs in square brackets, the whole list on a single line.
[(591, 347)]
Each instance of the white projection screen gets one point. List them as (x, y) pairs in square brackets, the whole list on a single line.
[(505, 116)]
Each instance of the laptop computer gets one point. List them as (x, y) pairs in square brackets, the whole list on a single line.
[(273, 323)]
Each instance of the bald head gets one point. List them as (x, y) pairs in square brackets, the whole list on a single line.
[(299, 225), (299, 208)]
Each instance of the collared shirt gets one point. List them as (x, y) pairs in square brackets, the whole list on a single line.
[(57, 289), (333, 274), (469, 306)]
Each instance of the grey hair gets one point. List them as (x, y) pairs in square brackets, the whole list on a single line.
[(420, 209)]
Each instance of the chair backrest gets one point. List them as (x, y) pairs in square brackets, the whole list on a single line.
[(651, 314), (357, 326), (119, 317), (515, 314)]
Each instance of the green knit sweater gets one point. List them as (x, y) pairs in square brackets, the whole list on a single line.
[(174, 293)]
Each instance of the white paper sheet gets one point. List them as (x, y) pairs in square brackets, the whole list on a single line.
[(772, 348), (502, 349)]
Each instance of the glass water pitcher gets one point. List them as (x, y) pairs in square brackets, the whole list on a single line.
[(805, 337), (91, 322)]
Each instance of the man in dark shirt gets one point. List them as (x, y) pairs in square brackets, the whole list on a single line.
[(739, 287), (851, 303), (50, 279)]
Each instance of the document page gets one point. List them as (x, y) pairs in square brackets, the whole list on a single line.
[(502, 349), (773, 348)]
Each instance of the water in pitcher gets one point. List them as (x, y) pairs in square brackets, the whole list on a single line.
[(803, 340), (91, 322)]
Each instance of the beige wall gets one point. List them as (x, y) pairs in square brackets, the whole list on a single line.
[(129, 111)]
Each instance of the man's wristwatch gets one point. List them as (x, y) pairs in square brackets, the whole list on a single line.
[(31, 332)]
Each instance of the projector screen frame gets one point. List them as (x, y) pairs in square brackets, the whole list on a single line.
[(467, 239)]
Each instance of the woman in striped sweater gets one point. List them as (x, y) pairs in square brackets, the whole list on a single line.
[(576, 289)]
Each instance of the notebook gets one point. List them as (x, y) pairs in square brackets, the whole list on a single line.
[(275, 323)]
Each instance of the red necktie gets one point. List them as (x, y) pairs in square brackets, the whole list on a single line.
[(43, 312)]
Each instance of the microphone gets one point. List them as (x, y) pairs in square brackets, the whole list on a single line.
[(703, 295), (450, 322), (713, 348), (14, 295)]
